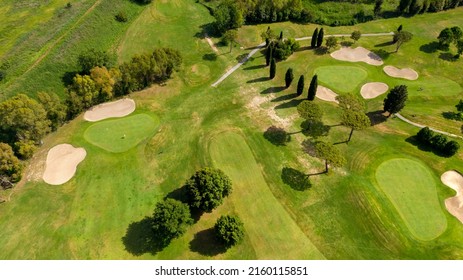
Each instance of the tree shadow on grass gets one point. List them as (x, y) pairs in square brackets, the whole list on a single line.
[(382, 53), (242, 58), (255, 67), (258, 80), (385, 44), (139, 238), (296, 179), (376, 117), (68, 77), (321, 51), (277, 136), (273, 90), (315, 129), (301, 49), (206, 244), (289, 104), (284, 97), (210, 57), (431, 47), (448, 57), (346, 43)]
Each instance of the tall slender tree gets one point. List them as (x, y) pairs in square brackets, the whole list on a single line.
[(395, 99), (269, 54), (313, 88), (313, 42), (289, 77), (281, 36), (320, 37), (273, 68), (300, 85)]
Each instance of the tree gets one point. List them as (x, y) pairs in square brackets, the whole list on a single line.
[(56, 110), (451, 148), (445, 38), (229, 38), (300, 85), (377, 8), (457, 33), (289, 77), (459, 106), (313, 42), (331, 42), (313, 88), (91, 58), (85, 89), (330, 154), (171, 219), (10, 167), (425, 135), (104, 82), (356, 35), (404, 6), (207, 188), (281, 36), (273, 68), (229, 230), (399, 28), (459, 48), (350, 102), (402, 37), (268, 35), (395, 99), (269, 54), (320, 37), (227, 16), (355, 120), (283, 49), (310, 111)]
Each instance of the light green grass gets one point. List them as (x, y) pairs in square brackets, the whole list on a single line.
[(121, 135), (412, 189), (259, 210), (342, 79)]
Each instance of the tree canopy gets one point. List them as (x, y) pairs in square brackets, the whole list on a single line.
[(355, 120), (309, 111), (401, 37), (56, 110), (330, 154), (312, 92), (229, 230), (395, 99), (207, 188), (10, 167), (356, 35), (92, 58)]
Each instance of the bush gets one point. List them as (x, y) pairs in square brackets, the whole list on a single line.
[(121, 17), (437, 142), (284, 48), (25, 149), (2, 75), (229, 230)]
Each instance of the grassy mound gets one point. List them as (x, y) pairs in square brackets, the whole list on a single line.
[(341, 78), (121, 135), (412, 189), (255, 204)]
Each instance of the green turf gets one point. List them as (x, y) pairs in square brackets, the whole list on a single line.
[(411, 187), (259, 210), (342, 79), (121, 135)]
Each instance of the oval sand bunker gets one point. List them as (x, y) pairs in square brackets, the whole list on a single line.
[(405, 73), (61, 165), (326, 94), (454, 204), (356, 55), (372, 90), (115, 109)]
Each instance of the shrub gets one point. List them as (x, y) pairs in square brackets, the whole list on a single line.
[(2, 75), (229, 230), (121, 17), (437, 142)]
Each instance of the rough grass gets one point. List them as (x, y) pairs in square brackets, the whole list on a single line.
[(120, 135), (412, 189), (343, 79)]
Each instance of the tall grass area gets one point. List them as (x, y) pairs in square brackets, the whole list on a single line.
[(98, 29)]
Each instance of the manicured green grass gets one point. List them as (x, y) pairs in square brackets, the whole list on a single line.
[(259, 210), (121, 135), (342, 79), (411, 187)]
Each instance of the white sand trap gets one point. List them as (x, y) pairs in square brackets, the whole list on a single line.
[(61, 165), (326, 94), (356, 55), (372, 90), (454, 204), (405, 73), (115, 109)]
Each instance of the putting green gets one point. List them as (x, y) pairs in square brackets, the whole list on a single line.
[(255, 204), (411, 187), (121, 135), (341, 78)]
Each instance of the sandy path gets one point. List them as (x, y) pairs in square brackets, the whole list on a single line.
[(209, 41), (404, 73), (115, 109), (61, 164), (372, 90), (326, 94), (454, 204), (356, 55)]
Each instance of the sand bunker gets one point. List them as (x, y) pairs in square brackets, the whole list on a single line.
[(356, 55), (372, 90), (454, 204), (61, 165), (326, 94), (116, 109), (405, 73)]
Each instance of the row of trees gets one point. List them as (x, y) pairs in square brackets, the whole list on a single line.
[(413, 7), (437, 142)]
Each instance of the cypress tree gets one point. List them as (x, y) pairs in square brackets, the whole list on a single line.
[(289, 77), (320, 38), (313, 43), (399, 28), (300, 85), (273, 68), (313, 88), (281, 36), (269, 54)]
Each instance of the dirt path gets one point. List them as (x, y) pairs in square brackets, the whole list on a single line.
[(209, 41), (229, 72), (421, 126), (62, 37)]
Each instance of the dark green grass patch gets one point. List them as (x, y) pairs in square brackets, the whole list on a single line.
[(121, 135)]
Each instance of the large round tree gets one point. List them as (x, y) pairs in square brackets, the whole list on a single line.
[(229, 230), (207, 188)]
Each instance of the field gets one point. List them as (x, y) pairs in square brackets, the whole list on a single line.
[(349, 213)]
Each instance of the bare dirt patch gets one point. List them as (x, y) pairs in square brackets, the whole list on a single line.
[(255, 105), (115, 109), (454, 205), (326, 94), (211, 44), (61, 164), (372, 90), (356, 55), (404, 73)]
